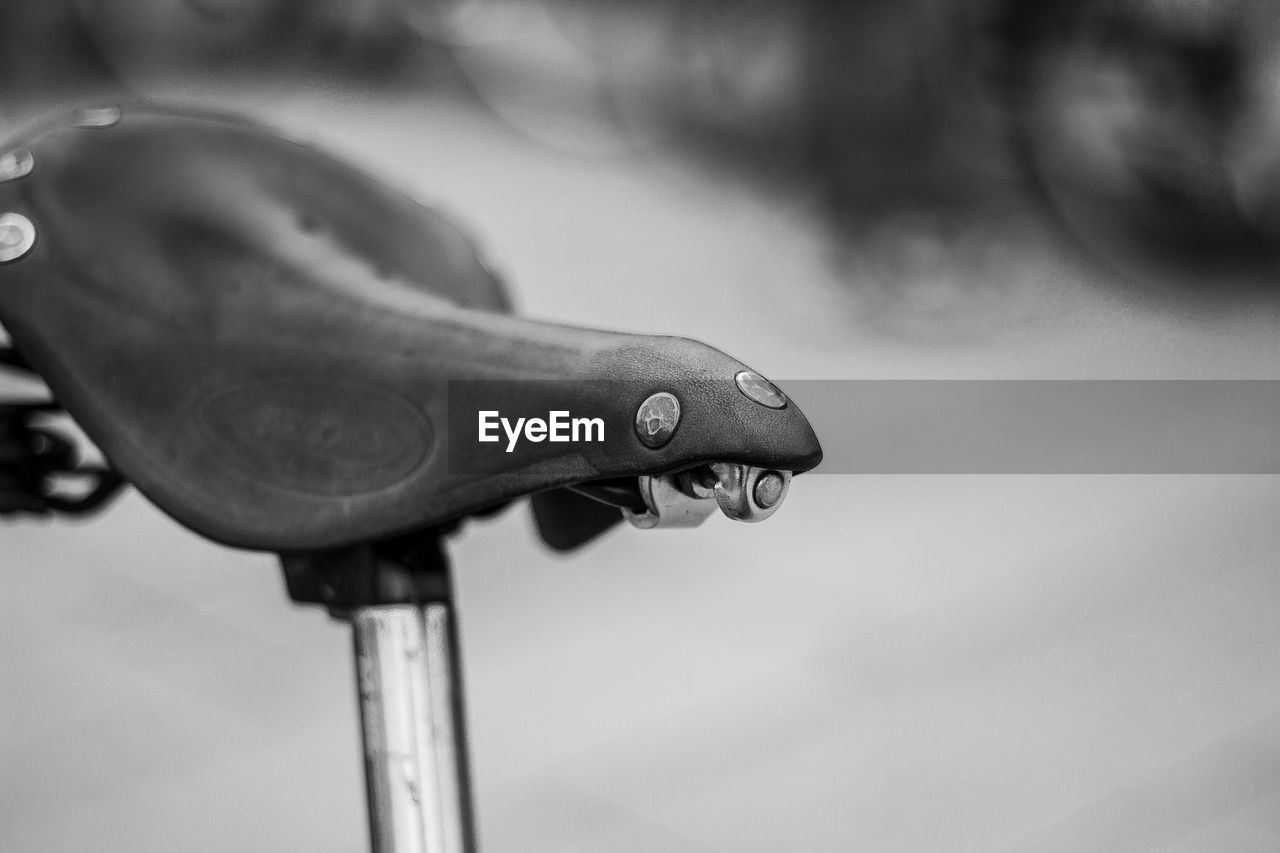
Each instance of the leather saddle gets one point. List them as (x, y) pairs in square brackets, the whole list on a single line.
[(285, 354)]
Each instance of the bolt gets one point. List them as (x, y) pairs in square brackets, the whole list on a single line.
[(769, 489), (760, 390), (657, 419), (17, 236), (15, 164)]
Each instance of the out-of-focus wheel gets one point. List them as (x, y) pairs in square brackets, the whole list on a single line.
[(1134, 123)]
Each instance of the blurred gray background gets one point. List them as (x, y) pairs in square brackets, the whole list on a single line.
[(892, 663)]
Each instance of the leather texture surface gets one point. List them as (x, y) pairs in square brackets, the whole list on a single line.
[(262, 339)]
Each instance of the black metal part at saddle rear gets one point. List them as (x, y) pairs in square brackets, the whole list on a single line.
[(37, 462)]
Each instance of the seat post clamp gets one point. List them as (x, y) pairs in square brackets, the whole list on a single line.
[(410, 570)]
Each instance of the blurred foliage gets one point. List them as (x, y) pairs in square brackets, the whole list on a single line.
[(945, 143)]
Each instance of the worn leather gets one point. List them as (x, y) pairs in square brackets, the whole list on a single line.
[(262, 339)]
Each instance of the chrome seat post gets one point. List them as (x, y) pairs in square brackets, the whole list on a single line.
[(399, 601), (411, 719)]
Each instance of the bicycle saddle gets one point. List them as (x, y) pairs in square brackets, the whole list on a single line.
[(284, 354)]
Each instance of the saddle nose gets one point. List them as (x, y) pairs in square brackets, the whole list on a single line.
[(285, 354)]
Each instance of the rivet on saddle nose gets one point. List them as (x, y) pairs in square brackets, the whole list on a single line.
[(657, 419), (15, 164), (761, 390), (98, 117), (17, 236)]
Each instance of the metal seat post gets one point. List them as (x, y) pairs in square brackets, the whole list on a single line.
[(408, 676), (411, 719)]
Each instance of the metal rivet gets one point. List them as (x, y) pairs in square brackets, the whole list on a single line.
[(98, 117), (760, 390), (17, 236), (15, 164), (769, 489), (657, 419)]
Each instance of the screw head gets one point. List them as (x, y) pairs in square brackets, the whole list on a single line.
[(769, 489), (15, 164), (657, 419), (760, 390), (98, 117), (17, 236)]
